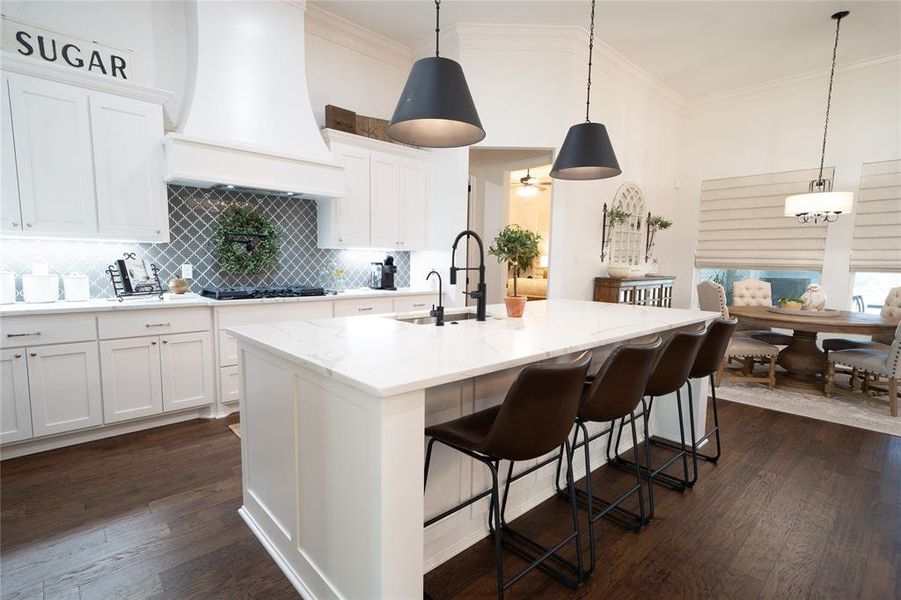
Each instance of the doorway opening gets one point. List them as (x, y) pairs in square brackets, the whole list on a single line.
[(511, 186)]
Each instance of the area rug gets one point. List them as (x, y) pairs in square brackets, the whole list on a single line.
[(841, 408), (236, 429)]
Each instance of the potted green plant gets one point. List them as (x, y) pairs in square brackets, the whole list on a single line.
[(790, 303), (518, 249)]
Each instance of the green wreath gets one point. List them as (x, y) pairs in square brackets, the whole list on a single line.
[(244, 241)]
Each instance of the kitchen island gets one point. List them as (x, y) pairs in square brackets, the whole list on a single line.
[(332, 419)]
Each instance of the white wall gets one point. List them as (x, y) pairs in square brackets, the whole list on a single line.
[(154, 30), (779, 127)]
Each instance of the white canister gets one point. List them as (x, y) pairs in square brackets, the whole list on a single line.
[(77, 287), (40, 288), (7, 287)]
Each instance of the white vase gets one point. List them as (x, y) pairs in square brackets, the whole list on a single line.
[(814, 297)]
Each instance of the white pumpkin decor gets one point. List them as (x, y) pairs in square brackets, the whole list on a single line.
[(814, 297)]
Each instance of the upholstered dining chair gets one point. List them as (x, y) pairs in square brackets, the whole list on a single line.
[(873, 363), (746, 350), (890, 308), (754, 292)]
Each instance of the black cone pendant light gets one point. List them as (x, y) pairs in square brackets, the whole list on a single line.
[(436, 110), (586, 152)]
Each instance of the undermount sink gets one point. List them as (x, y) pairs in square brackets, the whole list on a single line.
[(449, 319)]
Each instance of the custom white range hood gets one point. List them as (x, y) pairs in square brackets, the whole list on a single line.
[(249, 123)]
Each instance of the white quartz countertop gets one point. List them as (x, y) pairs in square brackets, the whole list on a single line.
[(23, 309), (383, 356)]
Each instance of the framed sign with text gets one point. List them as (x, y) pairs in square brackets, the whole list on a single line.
[(32, 41)]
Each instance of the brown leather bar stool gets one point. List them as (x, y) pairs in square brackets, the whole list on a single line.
[(613, 393), (710, 357), (670, 372), (534, 419)]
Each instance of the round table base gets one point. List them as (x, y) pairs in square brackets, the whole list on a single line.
[(802, 358)]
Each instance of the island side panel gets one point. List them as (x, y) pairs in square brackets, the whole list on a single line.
[(354, 472)]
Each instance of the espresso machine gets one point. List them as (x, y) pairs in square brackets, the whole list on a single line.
[(381, 274)]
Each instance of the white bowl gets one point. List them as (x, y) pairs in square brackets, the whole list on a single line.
[(619, 271)]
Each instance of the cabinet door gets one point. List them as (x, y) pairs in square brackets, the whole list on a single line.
[(414, 197), (52, 137), (352, 210), (131, 378), (384, 200), (187, 370), (64, 383), (10, 211), (15, 406), (127, 139)]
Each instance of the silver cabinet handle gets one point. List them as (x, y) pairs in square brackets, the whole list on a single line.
[(364, 308), (12, 335), (32, 354), (166, 324), (153, 343), (15, 224), (158, 231), (418, 305), (165, 341), (18, 356), (27, 224)]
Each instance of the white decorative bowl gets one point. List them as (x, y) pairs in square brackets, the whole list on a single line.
[(619, 271)]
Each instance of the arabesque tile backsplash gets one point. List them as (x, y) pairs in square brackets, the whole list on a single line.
[(192, 213)]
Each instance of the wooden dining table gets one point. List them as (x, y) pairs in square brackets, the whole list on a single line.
[(802, 358)]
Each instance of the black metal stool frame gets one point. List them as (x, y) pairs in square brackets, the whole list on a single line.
[(503, 533)]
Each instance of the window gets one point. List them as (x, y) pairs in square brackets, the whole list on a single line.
[(783, 283), (870, 290)]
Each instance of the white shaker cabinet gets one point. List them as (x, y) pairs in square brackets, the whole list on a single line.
[(384, 200), (414, 198), (128, 162), (10, 209), (15, 406), (64, 385), (131, 378), (344, 222), (80, 163), (187, 370), (52, 137)]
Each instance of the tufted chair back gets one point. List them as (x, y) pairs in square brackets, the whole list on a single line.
[(891, 308), (712, 297), (893, 361), (752, 292)]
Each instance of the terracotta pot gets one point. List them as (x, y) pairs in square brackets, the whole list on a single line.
[(515, 305)]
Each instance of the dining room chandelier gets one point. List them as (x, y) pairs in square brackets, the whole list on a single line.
[(821, 204)]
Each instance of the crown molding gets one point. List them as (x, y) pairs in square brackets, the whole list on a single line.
[(563, 39), (817, 76), (331, 27)]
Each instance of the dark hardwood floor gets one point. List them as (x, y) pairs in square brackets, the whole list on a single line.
[(796, 508)]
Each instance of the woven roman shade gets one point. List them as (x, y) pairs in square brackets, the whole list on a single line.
[(877, 221), (743, 224)]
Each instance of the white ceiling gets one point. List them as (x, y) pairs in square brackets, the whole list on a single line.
[(696, 48)]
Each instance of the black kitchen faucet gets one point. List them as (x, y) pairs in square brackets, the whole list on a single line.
[(480, 293)]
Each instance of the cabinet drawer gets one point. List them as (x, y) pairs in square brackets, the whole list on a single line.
[(230, 383), (228, 350), (414, 303), (32, 331), (250, 314), (371, 306), (153, 322)]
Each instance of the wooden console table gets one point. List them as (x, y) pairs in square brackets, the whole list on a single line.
[(647, 290)]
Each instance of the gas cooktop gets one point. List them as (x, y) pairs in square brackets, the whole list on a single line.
[(249, 293)]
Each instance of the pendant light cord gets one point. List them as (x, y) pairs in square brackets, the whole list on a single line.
[(590, 54), (437, 24), (838, 24)]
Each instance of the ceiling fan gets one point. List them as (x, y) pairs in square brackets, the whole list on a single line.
[(530, 186)]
